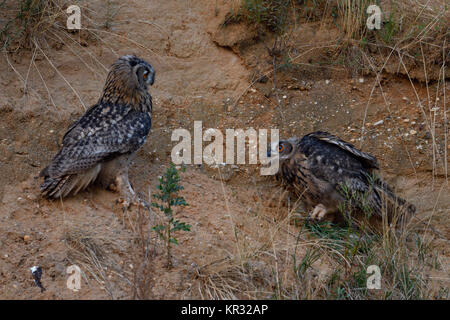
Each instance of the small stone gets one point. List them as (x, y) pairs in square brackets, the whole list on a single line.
[(26, 238), (378, 123), (361, 80), (31, 197), (413, 132), (406, 120)]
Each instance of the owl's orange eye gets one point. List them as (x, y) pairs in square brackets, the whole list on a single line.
[(145, 76), (280, 148)]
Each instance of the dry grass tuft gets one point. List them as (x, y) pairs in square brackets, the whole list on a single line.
[(116, 264), (90, 253), (331, 263), (25, 20), (300, 259)]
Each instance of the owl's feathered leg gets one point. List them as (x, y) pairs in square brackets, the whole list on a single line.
[(128, 196), (114, 176), (123, 187)]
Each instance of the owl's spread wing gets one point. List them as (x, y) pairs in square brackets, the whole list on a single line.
[(366, 159), (102, 133), (327, 170), (337, 162)]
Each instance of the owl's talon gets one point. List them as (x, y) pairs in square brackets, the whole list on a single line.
[(133, 201), (319, 212), (125, 206), (123, 203)]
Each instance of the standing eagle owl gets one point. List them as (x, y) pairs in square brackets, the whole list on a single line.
[(329, 174), (101, 144)]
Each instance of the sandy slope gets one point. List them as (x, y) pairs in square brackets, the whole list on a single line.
[(195, 80)]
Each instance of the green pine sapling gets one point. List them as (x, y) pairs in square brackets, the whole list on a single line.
[(167, 199)]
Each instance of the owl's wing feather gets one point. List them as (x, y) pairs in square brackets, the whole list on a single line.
[(95, 138), (334, 160), (340, 166), (94, 119), (351, 172), (366, 159), (72, 135)]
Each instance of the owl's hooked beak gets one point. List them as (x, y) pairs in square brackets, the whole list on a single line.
[(272, 151), (271, 163), (151, 77)]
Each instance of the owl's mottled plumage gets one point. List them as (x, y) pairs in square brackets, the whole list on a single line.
[(101, 144), (329, 174)]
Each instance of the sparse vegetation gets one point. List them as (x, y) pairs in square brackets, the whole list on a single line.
[(256, 248), (26, 20), (347, 252), (168, 199), (273, 13), (270, 14), (89, 252), (407, 26)]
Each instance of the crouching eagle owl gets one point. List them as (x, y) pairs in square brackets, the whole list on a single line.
[(330, 176), (100, 145)]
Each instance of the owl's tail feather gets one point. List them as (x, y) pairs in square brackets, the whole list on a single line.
[(394, 205), (68, 184), (52, 187)]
